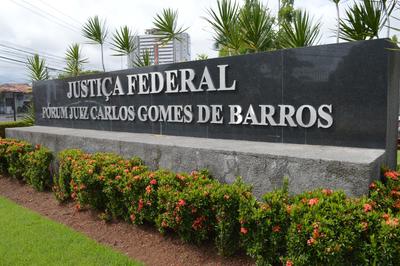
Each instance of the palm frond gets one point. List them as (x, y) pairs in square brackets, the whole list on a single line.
[(75, 60), (143, 60), (95, 30), (166, 25), (256, 24), (302, 31), (123, 41), (225, 23), (37, 68)]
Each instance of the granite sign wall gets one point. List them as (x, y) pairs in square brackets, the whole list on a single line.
[(341, 95)]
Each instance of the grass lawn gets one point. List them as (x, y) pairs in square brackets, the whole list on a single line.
[(26, 238)]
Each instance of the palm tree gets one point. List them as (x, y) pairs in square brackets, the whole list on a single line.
[(74, 60), (225, 23), (143, 60), (256, 25), (364, 20), (166, 26), (123, 42), (201, 57), (240, 30), (37, 68), (336, 2), (302, 31), (96, 31)]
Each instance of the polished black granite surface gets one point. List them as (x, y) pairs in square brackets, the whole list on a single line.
[(360, 80)]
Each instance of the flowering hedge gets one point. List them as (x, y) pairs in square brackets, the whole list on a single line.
[(27, 163), (321, 227)]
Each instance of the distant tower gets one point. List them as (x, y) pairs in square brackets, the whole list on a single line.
[(177, 50)]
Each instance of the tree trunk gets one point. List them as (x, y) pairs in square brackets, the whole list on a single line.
[(338, 23), (102, 57)]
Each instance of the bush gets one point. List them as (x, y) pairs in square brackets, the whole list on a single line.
[(62, 187), (11, 124), (37, 171), (321, 227), (264, 225), (15, 156), (226, 201)]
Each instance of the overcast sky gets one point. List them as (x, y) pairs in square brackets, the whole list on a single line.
[(48, 27)]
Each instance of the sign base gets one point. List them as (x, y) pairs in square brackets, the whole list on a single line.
[(262, 164)]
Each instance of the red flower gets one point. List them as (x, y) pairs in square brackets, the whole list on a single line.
[(181, 202), (392, 175), (140, 205), (126, 171), (78, 207), (372, 185), (153, 182), (393, 222), (397, 204), (276, 229), (180, 177), (243, 230), (367, 207), (313, 201), (118, 177), (164, 224), (135, 168), (311, 241), (316, 233), (37, 146), (289, 263), (327, 192), (133, 217)]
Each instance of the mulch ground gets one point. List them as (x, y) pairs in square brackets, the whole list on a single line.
[(143, 243)]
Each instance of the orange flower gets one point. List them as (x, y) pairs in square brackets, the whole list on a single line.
[(313, 201), (327, 192), (118, 177), (367, 207), (397, 204), (226, 197), (148, 189), (180, 177), (386, 216), (135, 168), (126, 171), (393, 222), (243, 230), (392, 175), (316, 233), (289, 209), (276, 229)]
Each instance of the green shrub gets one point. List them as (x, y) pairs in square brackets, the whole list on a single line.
[(37, 171), (386, 193), (15, 155), (185, 206), (264, 225), (11, 124), (62, 187), (117, 186), (4, 144), (226, 199)]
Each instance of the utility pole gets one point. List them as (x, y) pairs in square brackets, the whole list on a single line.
[(15, 106)]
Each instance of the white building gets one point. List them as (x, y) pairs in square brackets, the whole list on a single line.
[(177, 50)]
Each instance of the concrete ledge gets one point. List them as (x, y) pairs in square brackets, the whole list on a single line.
[(259, 163)]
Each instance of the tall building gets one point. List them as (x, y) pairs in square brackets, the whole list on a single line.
[(177, 50)]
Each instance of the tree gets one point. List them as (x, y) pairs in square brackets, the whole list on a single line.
[(364, 20), (96, 31), (336, 2), (75, 60), (242, 29), (123, 42), (302, 31), (166, 26), (37, 68)]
